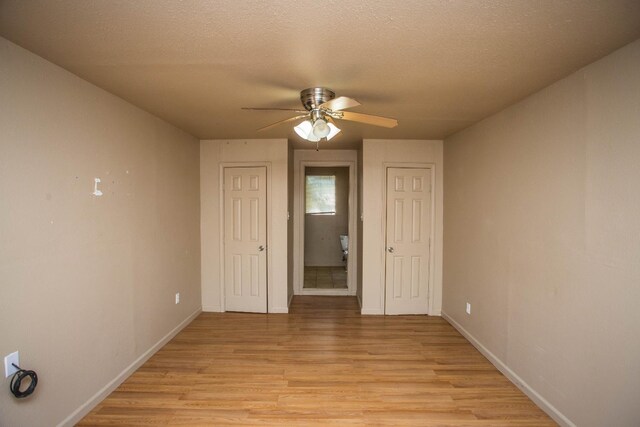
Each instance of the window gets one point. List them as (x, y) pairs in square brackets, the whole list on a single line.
[(320, 194)]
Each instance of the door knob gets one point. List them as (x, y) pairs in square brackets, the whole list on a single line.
[(260, 248), (390, 249)]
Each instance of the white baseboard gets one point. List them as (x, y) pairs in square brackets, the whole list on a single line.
[(218, 309), (93, 401), (371, 312), (544, 404)]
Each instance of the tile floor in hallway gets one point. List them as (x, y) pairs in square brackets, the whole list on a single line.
[(325, 277)]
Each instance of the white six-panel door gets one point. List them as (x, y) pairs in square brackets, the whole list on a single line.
[(245, 239), (408, 229)]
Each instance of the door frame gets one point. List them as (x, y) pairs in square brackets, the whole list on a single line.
[(230, 165), (299, 222), (432, 230)]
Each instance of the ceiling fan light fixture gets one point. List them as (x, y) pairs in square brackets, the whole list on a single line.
[(305, 131), (334, 130), (309, 131), (321, 128), (321, 107)]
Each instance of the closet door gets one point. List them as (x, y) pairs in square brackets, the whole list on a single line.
[(408, 227), (245, 239)]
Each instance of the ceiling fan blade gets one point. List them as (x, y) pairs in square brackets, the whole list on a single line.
[(281, 122), (367, 118), (339, 103), (274, 109)]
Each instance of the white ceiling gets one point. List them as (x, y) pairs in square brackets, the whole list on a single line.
[(436, 66)]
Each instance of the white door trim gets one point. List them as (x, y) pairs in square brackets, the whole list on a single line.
[(223, 166), (383, 254), (299, 216)]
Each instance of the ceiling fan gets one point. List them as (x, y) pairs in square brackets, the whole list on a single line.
[(321, 109)]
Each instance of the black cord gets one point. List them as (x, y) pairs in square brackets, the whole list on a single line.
[(16, 382)]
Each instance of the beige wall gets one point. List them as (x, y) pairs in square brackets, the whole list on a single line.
[(322, 232), (376, 155), (273, 153), (87, 283), (542, 237)]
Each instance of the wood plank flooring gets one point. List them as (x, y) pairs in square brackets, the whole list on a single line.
[(321, 365)]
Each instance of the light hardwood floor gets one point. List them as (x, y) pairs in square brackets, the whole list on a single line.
[(321, 365)]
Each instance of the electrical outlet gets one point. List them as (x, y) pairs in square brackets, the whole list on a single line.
[(178, 298), (9, 369), (468, 308)]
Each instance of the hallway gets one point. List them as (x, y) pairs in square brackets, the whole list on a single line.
[(325, 277), (322, 364)]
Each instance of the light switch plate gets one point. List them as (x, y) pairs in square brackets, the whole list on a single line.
[(9, 369)]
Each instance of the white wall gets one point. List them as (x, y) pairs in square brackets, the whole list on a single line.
[(214, 153), (376, 154), (87, 283), (542, 237), (360, 233), (290, 207)]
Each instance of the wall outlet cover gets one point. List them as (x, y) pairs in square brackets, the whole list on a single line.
[(178, 298), (468, 308)]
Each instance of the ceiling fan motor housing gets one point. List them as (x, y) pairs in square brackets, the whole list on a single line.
[(313, 97)]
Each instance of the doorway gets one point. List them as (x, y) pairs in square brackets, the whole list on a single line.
[(326, 226)]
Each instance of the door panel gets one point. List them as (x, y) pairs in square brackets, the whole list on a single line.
[(245, 233), (407, 240)]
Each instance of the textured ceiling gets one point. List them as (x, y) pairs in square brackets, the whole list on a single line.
[(436, 66)]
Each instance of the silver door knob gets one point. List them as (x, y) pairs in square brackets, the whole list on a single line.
[(390, 249), (260, 248)]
